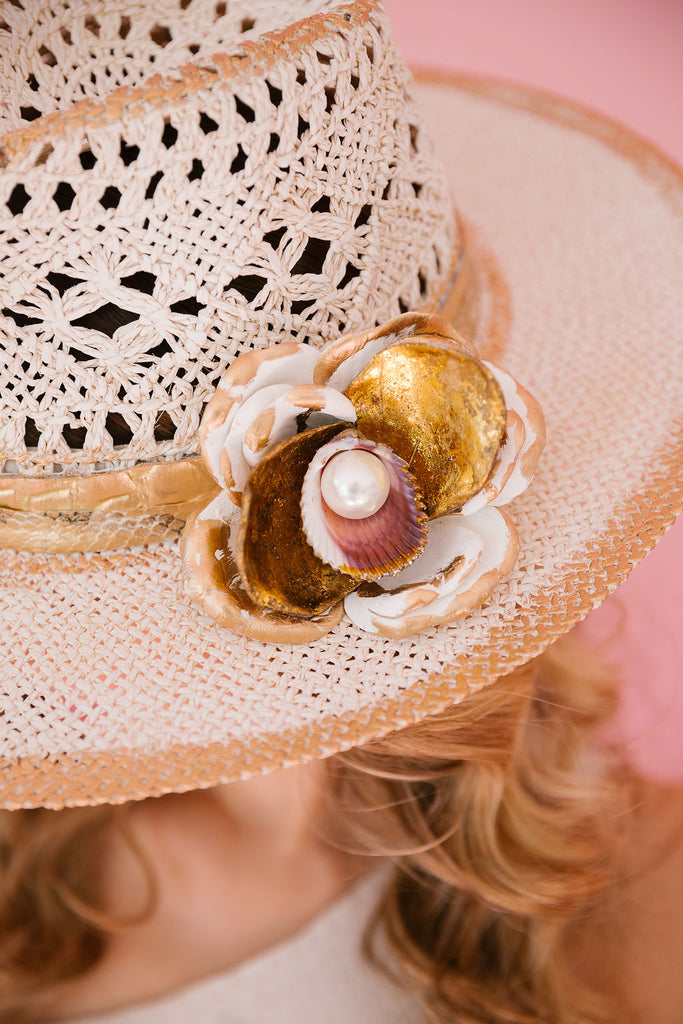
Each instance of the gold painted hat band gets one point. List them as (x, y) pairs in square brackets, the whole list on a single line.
[(119, 508)]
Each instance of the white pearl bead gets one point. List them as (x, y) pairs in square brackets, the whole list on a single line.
[(355, 484)]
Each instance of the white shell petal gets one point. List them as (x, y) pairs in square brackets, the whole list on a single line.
[(290, 368), (495, 492), (238, 422), (328, 405), (213, 446), (434, 589), (504, 466), (287, 369)]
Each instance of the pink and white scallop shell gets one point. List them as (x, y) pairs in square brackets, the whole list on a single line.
[(379, 544)]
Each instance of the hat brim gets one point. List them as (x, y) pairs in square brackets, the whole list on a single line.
[(117, 688)]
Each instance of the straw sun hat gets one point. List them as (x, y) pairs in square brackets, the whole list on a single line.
[(187, 184)]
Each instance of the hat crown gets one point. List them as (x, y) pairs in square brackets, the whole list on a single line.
[(282, 189)]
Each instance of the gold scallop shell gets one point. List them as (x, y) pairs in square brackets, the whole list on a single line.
[(442, 412), (277, 565), (212, 581)]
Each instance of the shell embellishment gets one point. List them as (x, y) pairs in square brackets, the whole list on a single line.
[(364, 479), (360, 508)]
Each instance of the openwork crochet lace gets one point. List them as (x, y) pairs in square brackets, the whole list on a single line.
[(152, 228)]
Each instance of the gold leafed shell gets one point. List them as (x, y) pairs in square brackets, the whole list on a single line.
[(442, 412), (278, 566), (345, 357), (212, 582)]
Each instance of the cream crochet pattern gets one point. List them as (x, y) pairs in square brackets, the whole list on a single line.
[(195, 179)]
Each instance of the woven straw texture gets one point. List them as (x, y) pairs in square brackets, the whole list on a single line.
[(151, 233), (116, 688)]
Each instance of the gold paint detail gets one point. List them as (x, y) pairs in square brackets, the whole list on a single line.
[(442, 412), (234, 494), (515, 432), (537, 425), (278, 567), (307, 396), (257, 435), (212, 581)]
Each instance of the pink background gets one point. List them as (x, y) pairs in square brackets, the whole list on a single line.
[(624, 58)]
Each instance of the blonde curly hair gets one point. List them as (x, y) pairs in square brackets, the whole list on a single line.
[(499, 815)]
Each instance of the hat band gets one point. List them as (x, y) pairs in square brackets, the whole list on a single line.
[(119, 508)]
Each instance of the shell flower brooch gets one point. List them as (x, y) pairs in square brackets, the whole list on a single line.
[(363, 479)]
